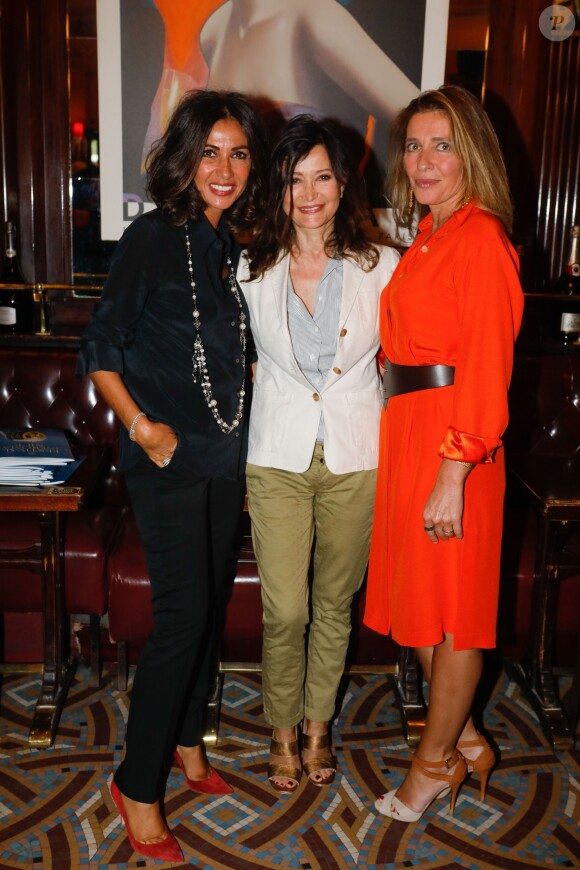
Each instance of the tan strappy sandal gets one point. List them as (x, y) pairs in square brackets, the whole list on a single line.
[(324, 760), (284, 749), (483, 763)]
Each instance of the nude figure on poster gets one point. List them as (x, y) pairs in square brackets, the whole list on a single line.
[(298, 54)]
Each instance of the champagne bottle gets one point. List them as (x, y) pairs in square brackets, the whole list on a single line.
[(568, 284), (16, 311)]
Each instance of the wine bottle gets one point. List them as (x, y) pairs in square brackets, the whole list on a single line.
[(568, 284), (16, 306)]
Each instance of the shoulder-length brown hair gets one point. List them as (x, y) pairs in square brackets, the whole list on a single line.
[(484, 173), (174, 159), (276, 235)]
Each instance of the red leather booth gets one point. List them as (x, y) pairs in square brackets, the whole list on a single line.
[(39, 388), (105, 571)]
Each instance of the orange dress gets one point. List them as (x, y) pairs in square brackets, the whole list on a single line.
[(454, 299)]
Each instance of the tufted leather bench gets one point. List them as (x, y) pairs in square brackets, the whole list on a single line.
[(544, 422), (544, 461), (131, 619), (38, 387), (131, 613), (545, 419)]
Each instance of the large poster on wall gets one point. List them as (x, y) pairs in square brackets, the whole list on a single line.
[(356, 61)]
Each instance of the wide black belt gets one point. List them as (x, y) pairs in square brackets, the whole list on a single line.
[(408, 379)]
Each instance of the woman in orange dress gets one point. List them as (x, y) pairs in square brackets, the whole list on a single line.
[(449, 318)]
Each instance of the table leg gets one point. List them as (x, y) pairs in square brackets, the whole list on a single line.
[(57, 669), (210, 738), (409, 695), (535, 673)]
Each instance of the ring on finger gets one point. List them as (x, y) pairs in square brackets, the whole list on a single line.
[(448, 532), (165, 462), (429, 528)]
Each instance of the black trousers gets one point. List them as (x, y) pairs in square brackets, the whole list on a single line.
[(188, 527)]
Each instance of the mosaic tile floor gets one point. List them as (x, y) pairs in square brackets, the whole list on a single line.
[(56, 812)]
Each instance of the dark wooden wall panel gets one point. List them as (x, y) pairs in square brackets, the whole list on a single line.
[(560, 168), (36, 134), (16, 127), (531, 95), (56, 142)]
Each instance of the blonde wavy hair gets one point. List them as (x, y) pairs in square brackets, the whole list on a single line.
[(476, 144)]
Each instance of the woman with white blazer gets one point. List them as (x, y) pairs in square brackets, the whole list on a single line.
[(312, 281)]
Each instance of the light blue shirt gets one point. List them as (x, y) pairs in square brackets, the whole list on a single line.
[(314, 338)]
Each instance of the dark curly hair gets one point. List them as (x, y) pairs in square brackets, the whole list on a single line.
[(275, 235), (174, 159)]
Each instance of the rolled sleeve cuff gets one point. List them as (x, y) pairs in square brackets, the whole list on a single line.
[(463, 447), (96, 356)]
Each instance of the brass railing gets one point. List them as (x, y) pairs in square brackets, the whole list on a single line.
[(40, 293)]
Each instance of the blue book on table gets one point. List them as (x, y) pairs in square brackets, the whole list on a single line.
[(39, 446)]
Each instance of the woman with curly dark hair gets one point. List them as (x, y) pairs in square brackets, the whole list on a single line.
[(312, 284), (167, 350)]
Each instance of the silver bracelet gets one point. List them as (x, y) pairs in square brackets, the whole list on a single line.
[(134, 423), (467, 464)]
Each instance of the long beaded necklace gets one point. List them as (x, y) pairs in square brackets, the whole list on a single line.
[(200, 370)]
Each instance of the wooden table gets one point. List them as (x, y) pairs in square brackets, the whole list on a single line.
[(552, 484), (50, 502)]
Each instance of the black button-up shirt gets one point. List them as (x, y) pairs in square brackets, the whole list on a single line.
[(143, 329)]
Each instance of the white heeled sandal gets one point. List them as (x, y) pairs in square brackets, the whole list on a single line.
[(390, 805)]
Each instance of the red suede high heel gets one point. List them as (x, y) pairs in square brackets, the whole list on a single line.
[(484, 762), (213, 784), (167, 850)]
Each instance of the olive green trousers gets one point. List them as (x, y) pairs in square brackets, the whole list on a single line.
[(306, 595)]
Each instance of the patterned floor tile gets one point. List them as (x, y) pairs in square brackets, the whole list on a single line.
[(56, 811)]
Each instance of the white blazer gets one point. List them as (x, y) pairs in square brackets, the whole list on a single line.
[(286, 408)]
